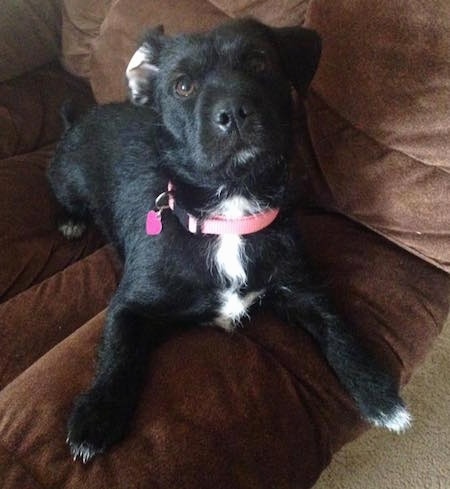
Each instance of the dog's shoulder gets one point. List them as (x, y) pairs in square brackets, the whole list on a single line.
[(117, 116)]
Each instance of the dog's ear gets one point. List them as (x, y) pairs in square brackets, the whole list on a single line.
[(143, 65), (300, 50)]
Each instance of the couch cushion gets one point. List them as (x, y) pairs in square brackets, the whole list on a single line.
[(51, 310), (256, 409), (30, 108), (379, 119), (272, 12), (31, 247), (81, 23), (29, 33)]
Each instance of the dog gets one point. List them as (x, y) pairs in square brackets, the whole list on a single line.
[(189, 180)]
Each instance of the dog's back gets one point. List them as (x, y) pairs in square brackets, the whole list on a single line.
[(109, 156)]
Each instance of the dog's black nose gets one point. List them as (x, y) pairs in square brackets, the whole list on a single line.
[(232, 114)]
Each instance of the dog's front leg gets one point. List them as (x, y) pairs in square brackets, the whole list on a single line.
[(102, 414), (373, 389)]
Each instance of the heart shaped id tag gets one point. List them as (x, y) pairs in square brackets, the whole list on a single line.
[(153, 225)]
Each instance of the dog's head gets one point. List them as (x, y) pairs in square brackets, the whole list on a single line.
[(226, 94)]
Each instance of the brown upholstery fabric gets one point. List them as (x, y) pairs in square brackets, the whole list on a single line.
[(256, 409), (29, 33), (379, 119), (272, 12), (83, 289), (259, 408), (31, 248), (81, 23), (126, 22), (89, 46), (128, 19), (30, 108)]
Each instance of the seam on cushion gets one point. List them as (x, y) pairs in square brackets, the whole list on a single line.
[(16, 129), (220, 9), (300, 383), (38, 283), (21, 464), (79, 258), (369, 136), (46, 147), (439, 265), (58, 272), (42, 120)]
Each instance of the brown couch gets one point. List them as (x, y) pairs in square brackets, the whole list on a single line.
[(259, 408)]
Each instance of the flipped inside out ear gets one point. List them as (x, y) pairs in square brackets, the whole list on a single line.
[(300, 50), (143, 66)]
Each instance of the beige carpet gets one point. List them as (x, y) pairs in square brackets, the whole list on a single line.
[(419, 459)]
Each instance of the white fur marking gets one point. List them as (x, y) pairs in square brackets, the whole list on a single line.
[(228, 259), (397, 422), (234, 307), (237, 206), (244, 155), (230, 263), (140, 59), (72, 230), (139, 71)]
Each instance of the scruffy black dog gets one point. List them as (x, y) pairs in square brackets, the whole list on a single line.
[(189, 182)]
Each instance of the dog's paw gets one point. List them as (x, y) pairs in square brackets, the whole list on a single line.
[(83, 452), (94, 426), (396, 419), (385, 411), (72, 229)]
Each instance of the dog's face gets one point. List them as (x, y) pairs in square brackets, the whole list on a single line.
[(226, 95)]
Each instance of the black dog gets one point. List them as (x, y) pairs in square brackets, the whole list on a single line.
[(205, 148)]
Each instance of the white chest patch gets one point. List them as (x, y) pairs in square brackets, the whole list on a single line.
[(229, 258), (230, 263), (234, 308)]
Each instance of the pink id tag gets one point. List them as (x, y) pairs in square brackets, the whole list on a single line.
[(153, 225)]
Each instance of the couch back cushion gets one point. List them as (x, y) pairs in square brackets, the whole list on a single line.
[(81, 23), (29, 35), (274, 12), (379, 116)]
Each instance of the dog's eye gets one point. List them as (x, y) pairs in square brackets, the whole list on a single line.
[(184, 86)]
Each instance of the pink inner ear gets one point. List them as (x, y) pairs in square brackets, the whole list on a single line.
[(139, 72), (139, 66)]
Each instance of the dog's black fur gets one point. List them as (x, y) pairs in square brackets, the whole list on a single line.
[(212, 114)]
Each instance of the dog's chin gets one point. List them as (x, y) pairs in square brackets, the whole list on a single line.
[(244, 156), (251, 159), (239, 162), (238, 158)]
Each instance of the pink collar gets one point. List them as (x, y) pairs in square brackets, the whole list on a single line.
[(214, 225)]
